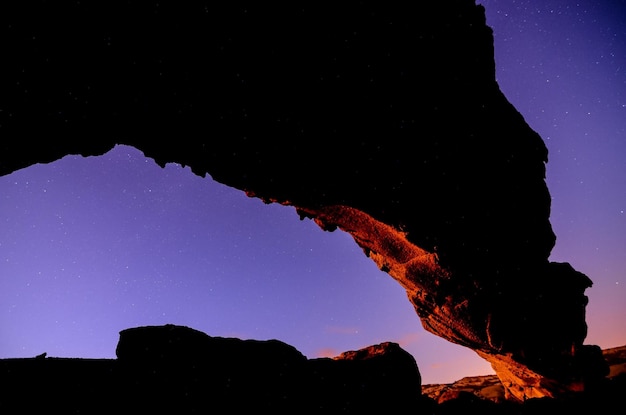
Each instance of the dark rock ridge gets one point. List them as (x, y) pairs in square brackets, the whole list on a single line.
[(384, 121), (177, 369), (269, 374), (182, 370)]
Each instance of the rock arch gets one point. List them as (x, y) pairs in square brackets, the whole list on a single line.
[(384, 121)]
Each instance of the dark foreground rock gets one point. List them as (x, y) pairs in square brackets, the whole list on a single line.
[(180, 370)]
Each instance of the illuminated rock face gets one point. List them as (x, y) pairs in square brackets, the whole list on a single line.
[(385, 122)]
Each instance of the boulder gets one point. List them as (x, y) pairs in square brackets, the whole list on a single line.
[(382, 377)]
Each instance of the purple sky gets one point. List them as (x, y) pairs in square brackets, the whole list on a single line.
[(562, 64), (91, 246)]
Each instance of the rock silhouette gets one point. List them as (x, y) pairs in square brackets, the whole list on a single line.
[(269, 374), (181, 370), (383, 121), (184, 370)]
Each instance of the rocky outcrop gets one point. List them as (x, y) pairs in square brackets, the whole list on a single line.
[(482, 387), (381, 377), (384, 121), (179, 345), (490, 388), (182, 370), (197, 371), (616, 360), (271, 374)]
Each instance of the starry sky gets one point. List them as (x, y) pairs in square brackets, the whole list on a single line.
[(91, 246)]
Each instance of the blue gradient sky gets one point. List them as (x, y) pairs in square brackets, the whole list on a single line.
[(91, 246)]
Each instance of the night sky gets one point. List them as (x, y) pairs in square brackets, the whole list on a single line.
[(91, 246)]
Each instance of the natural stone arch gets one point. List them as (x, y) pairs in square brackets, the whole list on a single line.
[(384, 121)]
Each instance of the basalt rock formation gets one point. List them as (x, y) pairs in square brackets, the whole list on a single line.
[(384, 121)]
